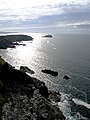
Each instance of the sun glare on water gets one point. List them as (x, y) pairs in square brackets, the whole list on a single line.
[(29, 50)]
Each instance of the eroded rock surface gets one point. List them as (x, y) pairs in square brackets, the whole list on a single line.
[(24, 97)]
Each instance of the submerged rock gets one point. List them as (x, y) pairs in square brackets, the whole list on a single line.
[(24, 97), (53, 73)]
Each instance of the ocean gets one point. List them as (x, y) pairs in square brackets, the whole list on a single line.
[(69, 54)]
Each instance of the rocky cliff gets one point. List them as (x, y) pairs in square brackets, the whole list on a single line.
[(25, 98)]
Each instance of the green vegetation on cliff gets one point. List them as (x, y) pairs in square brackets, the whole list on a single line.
[(1, 61)]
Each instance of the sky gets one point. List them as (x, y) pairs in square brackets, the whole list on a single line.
[(45, 16)]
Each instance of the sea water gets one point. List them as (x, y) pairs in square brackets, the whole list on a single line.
[(69, 54)]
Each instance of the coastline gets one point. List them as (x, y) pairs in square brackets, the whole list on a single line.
[(10, 41), (22, 94), (13, 57)]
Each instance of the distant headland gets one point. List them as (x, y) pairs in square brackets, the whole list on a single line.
[(2, 32), (9, 41)]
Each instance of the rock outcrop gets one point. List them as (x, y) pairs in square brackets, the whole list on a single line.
[(66, 77), (47, 35), (51, 72), (26, 69), (25, 98)]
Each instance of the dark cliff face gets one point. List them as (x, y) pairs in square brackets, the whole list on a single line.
[(24, 98), (8, 40)]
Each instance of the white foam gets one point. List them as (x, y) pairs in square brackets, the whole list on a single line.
[(79, 102)]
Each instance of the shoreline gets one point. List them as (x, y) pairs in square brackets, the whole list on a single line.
[(33, 95), (10, 41)]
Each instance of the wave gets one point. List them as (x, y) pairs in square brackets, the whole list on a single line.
[(80, 102), (71, 110)]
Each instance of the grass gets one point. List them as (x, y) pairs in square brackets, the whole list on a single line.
[(1, 61)]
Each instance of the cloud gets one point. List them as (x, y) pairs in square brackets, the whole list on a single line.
[(29, 12), (27, 9), (42, 14)]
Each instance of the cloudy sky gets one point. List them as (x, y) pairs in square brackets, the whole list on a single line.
[(45, 15)]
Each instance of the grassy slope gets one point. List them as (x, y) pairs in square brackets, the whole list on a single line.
[(2, 98)]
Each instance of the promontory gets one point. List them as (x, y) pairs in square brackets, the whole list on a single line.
[(9, 41)]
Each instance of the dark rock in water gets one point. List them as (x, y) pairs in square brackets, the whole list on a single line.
[(9, 41), (17, 43), (24, 98), (66, 77), (47, 35), (26, 69), (23, 44), (53, 73)]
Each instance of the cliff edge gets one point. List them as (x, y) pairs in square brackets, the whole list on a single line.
[(23, 97)]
